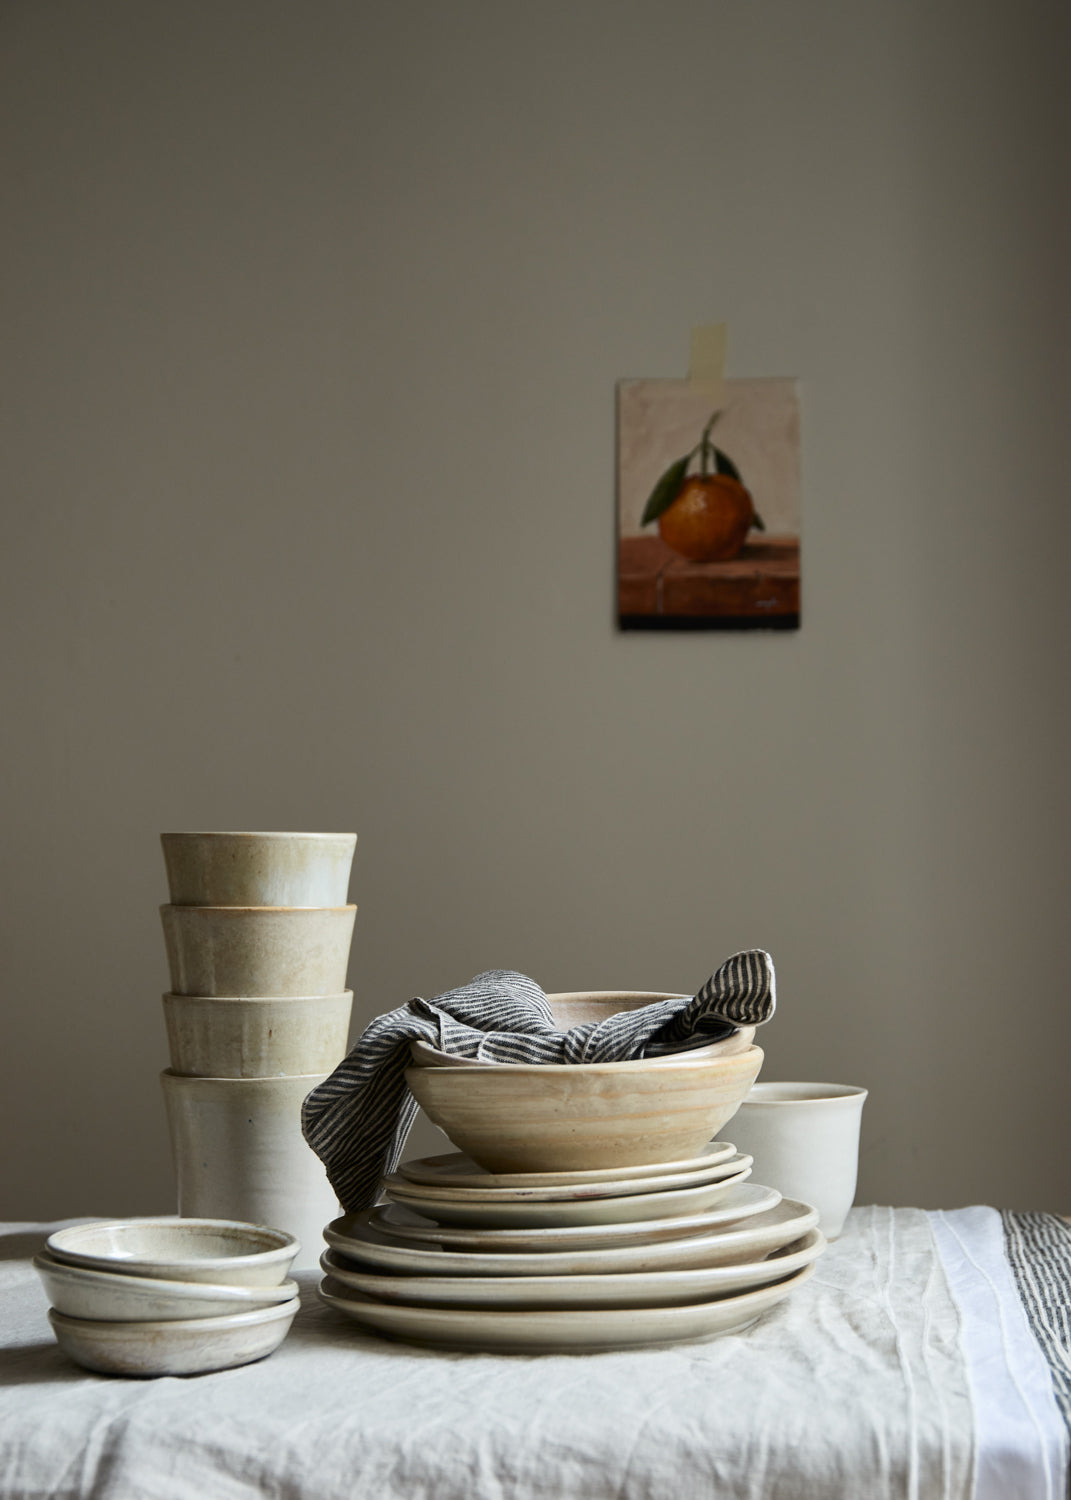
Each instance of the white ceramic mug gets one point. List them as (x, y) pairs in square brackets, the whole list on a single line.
[(258, 869), (805, 1141), (256, 1036), (239, 1154), (258, 950)]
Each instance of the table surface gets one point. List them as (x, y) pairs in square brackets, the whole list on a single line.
[(857, 1385)]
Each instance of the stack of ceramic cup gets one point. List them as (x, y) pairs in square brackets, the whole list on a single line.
[(258, 936)]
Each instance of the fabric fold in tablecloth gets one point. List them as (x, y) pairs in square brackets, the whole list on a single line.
[(357, 1119), (854, 1388)]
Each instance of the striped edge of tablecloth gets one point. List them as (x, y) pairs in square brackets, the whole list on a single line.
[(1038, 1247)]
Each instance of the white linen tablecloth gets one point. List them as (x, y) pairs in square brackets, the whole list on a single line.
[(858, 1385)]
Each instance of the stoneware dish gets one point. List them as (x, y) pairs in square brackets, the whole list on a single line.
[(182, 1347), (405, 1224), (567, 1331), (805, 1140), (357, 1242), (631, 1289), (258, 950), (221, 1251), (522, 1213), (455, 1169), (256, 1036), (540, 1118), (239, 1151), (258, 869), (721, 1164), (112, 1297)]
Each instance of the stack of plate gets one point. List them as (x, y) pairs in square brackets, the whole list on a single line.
[(610, 1258)]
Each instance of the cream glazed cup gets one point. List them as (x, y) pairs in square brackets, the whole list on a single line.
[(251, 1036), (258, 869), (239, 1153), (805, 1141), (258, 950)]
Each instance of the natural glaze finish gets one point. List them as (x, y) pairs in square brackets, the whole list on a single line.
[(747, 1237), (738, 1201), (570, 1331), (805, 1140), (186, 1347), (503, 1190), (257, 950), (558, 1118), (221, 1251), (495, 1213), (256, 1036), (112, 1297), (258, 869), (631, 1289), (238, 1150), (455, 1169)]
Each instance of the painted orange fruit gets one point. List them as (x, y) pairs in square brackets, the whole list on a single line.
[(709, 519)]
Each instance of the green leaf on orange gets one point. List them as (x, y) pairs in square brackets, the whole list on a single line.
[(666, 490), (724, 465)]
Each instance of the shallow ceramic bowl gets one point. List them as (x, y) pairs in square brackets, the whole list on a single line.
[(579, 1008), (256, 1036), (221, 1251), (258, 950), (111, 1297), (188, 1346), (550, 1118), (258, 869)]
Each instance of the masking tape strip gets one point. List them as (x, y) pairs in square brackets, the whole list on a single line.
[(707, 368)]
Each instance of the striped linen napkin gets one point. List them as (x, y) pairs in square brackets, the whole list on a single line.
[(357, 1119)]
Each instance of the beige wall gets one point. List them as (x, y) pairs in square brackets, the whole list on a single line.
[(314, 317)]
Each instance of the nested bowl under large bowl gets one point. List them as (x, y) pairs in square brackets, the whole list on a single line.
[(538, 1118), (581, 1008), (221, 1251), (258, 869), (258, 950), (256, 1036)]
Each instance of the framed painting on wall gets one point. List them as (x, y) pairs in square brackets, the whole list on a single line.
[(708, 506)]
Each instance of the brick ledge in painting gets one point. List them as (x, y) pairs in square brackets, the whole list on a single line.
[(657, 588)]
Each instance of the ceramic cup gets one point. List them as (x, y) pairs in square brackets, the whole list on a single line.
[(239, 1154), (805, 1141), (266, 1036), (258, 950), (258, 869)]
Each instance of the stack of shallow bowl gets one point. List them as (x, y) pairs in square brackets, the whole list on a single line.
[(168, 1296), (588, 1207), (258, 937)]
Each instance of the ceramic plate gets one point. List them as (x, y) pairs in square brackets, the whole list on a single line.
[(746, 1239), (491, 1214), (455, 1169), (739, 1201), (405, 1190), (636, 1289), (569, 1332)]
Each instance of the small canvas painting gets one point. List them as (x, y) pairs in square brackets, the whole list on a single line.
[(708, 505)]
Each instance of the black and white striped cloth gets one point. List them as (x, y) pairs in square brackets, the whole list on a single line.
[(1038, 1247), (357, 1119)]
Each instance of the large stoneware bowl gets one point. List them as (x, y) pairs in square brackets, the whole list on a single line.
[(521, 1118)]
